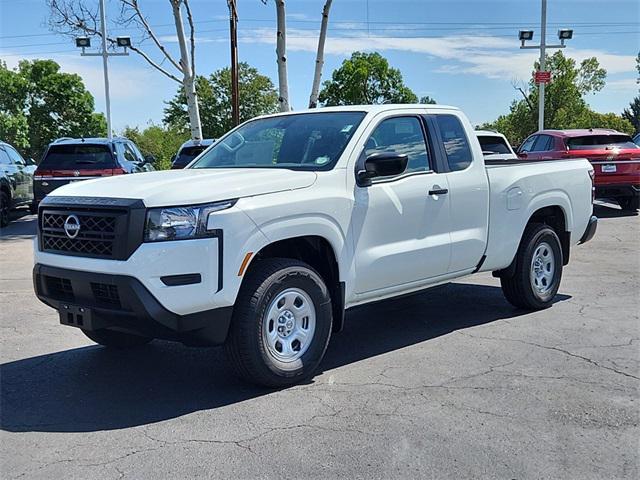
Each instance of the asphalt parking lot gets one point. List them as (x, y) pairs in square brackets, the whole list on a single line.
[(452, 383)]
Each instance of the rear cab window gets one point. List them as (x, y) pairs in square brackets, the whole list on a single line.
[(600, 142), (78, 157), (455, 142), (493, 145)]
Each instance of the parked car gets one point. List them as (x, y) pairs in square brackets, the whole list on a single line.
[(289, 219), (495, 146), (16, 182), (614, 155), (188, 151), (69, 160)]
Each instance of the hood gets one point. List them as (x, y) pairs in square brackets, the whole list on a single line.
[(191, 186)]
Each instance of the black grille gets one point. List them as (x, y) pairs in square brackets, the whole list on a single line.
[(96, 237), (106, 294), (59, 288)]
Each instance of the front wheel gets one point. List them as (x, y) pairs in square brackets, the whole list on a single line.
[(281, 323), (538, 269), (113, 339)]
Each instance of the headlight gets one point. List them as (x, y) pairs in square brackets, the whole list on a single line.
[(179, 223)]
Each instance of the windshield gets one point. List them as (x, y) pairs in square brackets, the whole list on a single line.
[(307, 141), (76, 157), (188, 153), (600, 142), (492, 145)]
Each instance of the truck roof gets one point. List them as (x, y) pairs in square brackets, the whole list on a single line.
[(581, 132), (368, 108)]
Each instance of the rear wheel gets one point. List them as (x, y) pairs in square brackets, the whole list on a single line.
[(629, 203), (538, 269), (5, 204), (113, 339), (281, 323)]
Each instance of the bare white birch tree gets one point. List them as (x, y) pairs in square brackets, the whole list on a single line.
[(281, 50), (315, 87), (73, 17)]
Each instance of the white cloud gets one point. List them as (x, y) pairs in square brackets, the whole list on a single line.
[(489, 56), (126, 82)]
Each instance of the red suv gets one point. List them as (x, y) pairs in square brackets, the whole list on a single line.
[(615, 158)]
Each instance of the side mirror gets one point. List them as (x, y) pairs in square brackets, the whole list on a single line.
[(149, 159), (30, 162), (381, 165), (522, 154)]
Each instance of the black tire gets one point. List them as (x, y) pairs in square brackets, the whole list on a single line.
[(113, 339), (33, 208), (519, 289), (629, 203), (5, 209), (245, 346)]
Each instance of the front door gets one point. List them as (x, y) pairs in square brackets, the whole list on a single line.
[(401, 230)]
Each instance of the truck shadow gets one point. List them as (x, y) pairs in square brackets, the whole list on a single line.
[(22, 225), (91, 388)]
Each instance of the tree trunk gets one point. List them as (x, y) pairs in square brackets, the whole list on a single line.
[(315, 87), (188, 79), (281, 51)]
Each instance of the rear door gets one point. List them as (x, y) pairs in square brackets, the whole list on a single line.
[(542, 148), (468, 190)]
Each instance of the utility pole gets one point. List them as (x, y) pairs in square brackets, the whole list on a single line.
[(543, 46), (84, 42), (542, 77), (233, 32)]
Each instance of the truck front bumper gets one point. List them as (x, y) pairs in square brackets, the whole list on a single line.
[(93, 301)]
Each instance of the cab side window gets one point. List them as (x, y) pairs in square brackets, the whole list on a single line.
[(402, 135), (455, 141)]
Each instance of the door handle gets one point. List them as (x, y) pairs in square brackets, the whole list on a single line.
[(439, 191)]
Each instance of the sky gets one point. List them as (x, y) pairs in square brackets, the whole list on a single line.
[(460, 52)]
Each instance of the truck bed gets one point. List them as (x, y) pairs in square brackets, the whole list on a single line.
[(519, 188)]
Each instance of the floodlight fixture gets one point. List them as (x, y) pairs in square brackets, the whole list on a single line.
[(123, 41), (83, 42)]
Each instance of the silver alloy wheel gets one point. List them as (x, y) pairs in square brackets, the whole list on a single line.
[(543, 268), (289, 325)]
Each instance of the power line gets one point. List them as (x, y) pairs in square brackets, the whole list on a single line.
[(349, 23)]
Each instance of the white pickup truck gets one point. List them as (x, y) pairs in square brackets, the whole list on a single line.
[(269, 235)]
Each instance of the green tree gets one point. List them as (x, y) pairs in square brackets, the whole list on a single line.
[(427, 100), (364, 79), (632, 114), (257, 97), (163, 143), (565, 103), (38, 104)]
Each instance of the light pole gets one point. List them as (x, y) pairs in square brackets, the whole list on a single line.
[(542, 77), (85, 42)]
